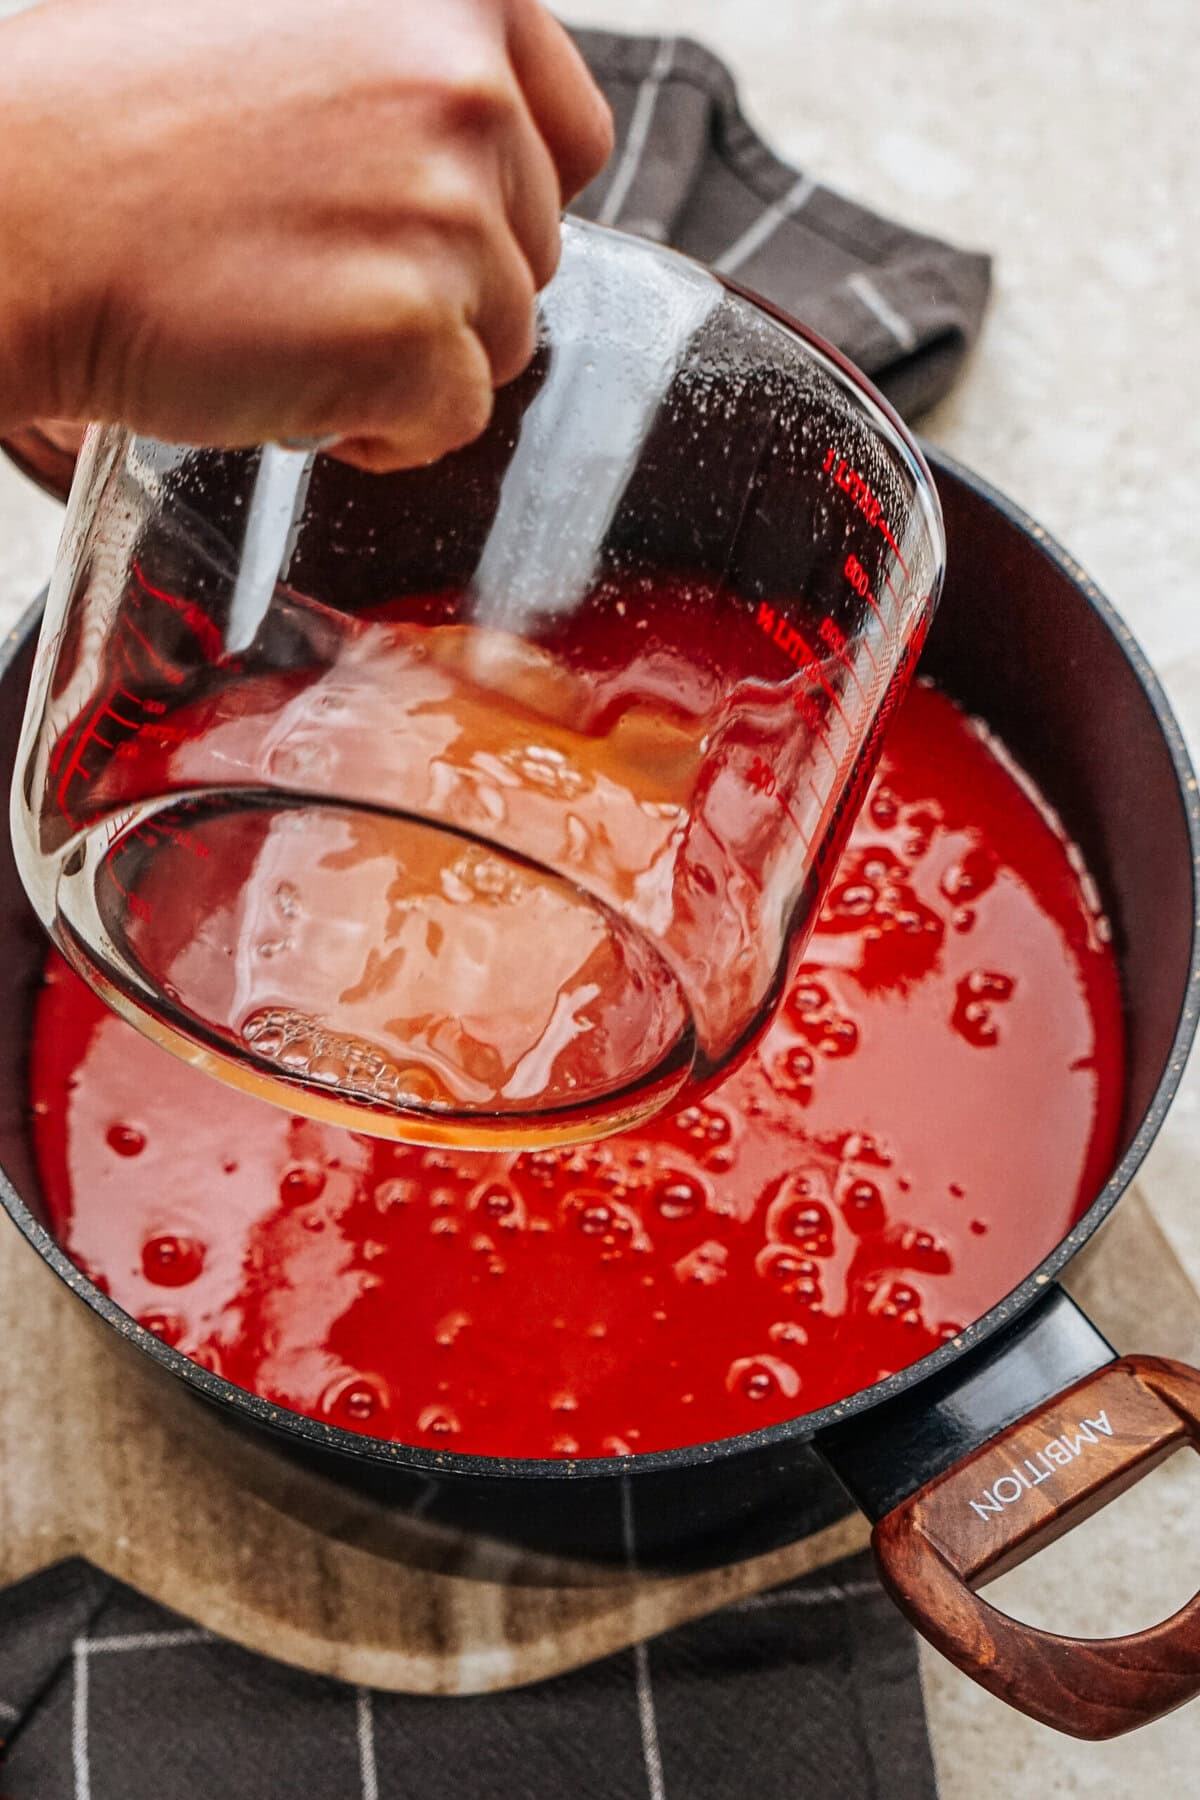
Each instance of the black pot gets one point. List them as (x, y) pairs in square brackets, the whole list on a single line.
[(1023, 639)]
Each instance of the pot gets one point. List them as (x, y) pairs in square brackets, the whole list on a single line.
[(970, 1459)]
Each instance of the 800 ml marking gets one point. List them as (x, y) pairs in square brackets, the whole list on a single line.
[(860, 581)]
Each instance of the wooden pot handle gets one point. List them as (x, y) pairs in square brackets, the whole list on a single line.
[(1024, 1488)]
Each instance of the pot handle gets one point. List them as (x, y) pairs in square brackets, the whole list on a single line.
[(1062, 1461)]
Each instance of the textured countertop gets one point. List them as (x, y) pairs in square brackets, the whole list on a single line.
[(1058, 137)]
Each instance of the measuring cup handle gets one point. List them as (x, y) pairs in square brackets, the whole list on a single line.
[(1025, 1487)]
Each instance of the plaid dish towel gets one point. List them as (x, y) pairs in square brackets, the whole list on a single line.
[(689, 171), (809, 1690)]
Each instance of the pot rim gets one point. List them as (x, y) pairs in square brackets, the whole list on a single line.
[(313, 1434)]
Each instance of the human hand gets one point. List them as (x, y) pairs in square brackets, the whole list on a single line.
[(228, 224)]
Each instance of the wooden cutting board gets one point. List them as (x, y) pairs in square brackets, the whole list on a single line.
[(103, 1459)]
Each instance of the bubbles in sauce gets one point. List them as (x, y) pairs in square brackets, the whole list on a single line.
[(933, 1107)]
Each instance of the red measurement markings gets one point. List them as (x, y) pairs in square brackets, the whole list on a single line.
[(860, 581), (794, 645), (763, 780), (905, 601), (194, 616), (135, 905), (120, 828), (892, 545), (908, 604), (835, 640), (109, 712), (867, 502), (184, 839), (152, 832), (115, 827), (164, 668), (808, 708)]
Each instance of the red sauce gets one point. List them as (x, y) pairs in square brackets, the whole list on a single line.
[(934, 1106)]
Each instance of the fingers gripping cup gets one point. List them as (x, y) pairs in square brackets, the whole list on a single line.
[(499, 816)]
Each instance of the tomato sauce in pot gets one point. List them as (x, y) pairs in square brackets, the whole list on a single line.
[(935, 1104)]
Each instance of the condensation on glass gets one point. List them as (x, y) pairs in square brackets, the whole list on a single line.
[(498, 816)]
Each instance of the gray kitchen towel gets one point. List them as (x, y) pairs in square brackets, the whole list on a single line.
[(811, 1689), (689, 171)]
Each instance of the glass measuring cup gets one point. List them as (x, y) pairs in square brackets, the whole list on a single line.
[(498, 817)]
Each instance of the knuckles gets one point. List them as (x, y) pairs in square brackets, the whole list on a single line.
[(514, 350), (474, 105), (388, 446)]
